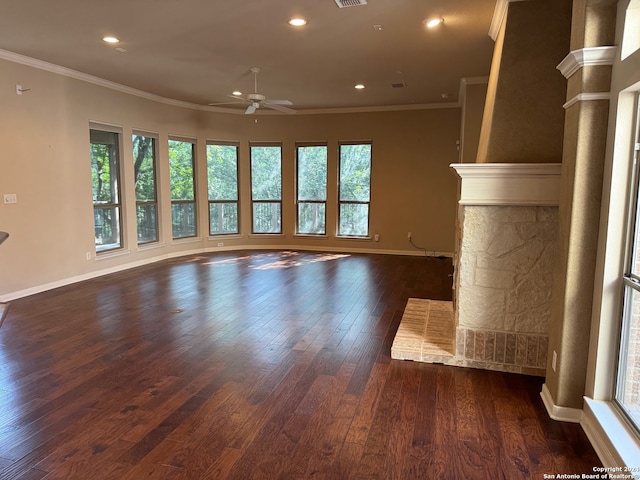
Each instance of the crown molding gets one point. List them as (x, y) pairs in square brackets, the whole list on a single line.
[(499, 13), (382, 108), (509, 183), (84, 77), (585, 97), (586, 57), (464, 81)]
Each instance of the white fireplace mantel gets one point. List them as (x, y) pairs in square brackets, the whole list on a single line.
[(509, 183)]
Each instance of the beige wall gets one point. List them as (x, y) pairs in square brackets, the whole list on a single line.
[(472, 110), (523, 118), (45, 138)]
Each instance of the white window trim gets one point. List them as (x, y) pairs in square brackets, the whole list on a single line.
[(613, 439), (123, 249)]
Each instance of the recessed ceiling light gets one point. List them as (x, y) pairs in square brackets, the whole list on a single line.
[(359, 86), (237, 93), (434, 22), (110, 39), (297, 22)]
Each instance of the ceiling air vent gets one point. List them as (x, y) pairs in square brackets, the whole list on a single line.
[(350, 3), (398, 85)]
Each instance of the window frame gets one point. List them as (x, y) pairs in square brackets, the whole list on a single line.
[(298, 202), (175, 202), (630, 276), (255, 201), (147, 203), (354, 202), (235, 201), (119, 204)]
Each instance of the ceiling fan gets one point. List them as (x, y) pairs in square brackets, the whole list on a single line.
[(257, 100)]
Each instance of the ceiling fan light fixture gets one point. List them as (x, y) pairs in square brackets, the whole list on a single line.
[(257, 100), (297, 22)]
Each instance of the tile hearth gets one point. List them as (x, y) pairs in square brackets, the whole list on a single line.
[(426, 332)]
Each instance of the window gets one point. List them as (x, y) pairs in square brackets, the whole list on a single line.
[(311, 189), (354, 189), (266, 188), (144, 174), (222, 175), (627, 391), (105, 180), (182, 181)]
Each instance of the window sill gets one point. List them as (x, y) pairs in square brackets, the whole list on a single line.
[(186, 240), (347, 237), (611, 437), (150, 246), (113, 254), (269, 235), (310, 236), (226, 236)]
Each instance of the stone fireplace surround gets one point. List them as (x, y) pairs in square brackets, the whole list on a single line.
[(506, 247)]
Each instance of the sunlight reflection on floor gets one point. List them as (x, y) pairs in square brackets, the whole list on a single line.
[(278, 260)]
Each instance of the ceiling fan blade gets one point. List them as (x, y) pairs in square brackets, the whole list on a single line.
[(279, 102), (250, 109), (279, 108), (242, 99), (223, 103)]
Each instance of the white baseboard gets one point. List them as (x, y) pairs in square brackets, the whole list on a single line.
[(194, 251), (80, 278), (562, 414)]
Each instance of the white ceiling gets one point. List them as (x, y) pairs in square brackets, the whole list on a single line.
[(199, 51)]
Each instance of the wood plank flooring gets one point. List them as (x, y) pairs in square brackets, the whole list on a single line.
[(254, 365)]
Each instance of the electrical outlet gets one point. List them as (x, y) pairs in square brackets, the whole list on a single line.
[(10, 198), (554, 360), (376, 238), (409, 235), (87, 255), (221, 244)]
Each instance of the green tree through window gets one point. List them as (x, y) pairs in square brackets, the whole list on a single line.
[(312, 189), (266, 188), (182, 180), (105, 158), (354, 190), (144, 170), (222, 177)]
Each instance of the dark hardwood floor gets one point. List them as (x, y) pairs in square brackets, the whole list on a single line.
[(254, 365)]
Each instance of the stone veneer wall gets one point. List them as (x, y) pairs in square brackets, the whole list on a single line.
[(505, 271)]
